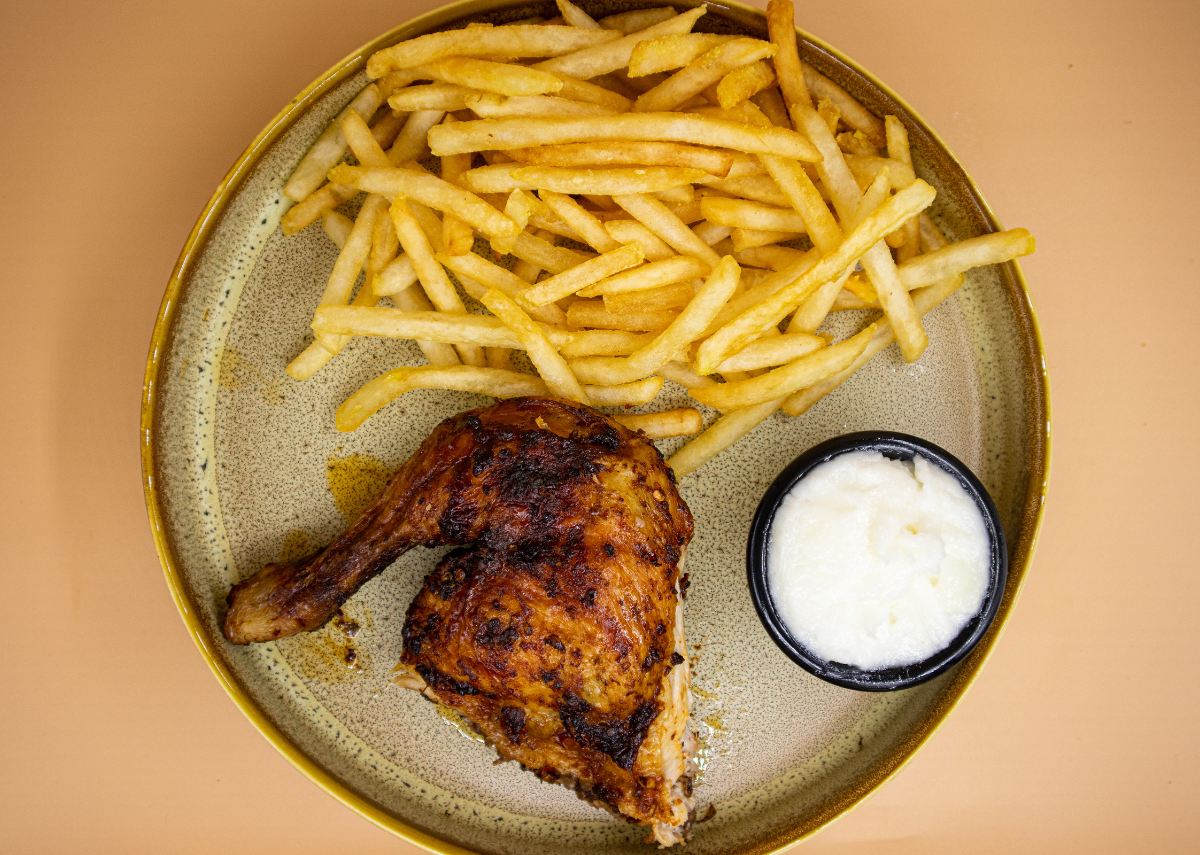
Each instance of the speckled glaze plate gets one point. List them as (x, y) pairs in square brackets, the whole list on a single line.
[(243, 466)]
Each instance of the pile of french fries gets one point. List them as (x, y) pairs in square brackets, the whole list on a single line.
[(690, 166)]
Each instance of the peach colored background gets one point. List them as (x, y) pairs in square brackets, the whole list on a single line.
[(1081, 124)]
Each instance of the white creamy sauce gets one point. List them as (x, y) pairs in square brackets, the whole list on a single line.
[(876, 562)]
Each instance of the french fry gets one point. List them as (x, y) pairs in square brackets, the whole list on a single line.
[(350, 261), (648, 276), (552, 367), (591, 314), (664, 425), (478, 275), (898, 150), (578, 218), (397, 276), (744, 239), (666, 297), (702, 72), (746, 214), (378, 393), (676, 196), (499, 357), (604, 57), (489, 134), (411, 142), (431, 96), (852, 112), (379, 322), (457, 237), (665, 53), (754, 321), (626, 394), (575, 16), (432, 191), (681, 373), (586, 92), (772, 350), (413, 299), (329, 147), (569, 281), (723, 433), (491, 179), (761, 188), (683, 330), (520, 41), (489, 106), (866, 168), (994, 248), (337, 227), (658, 218), (744, 83), (780, 382), (621, 153), (608, 182), (853, 142), (638, 19), (628, 232), (604, 343), (711, 233), (546, 255), (781, 25), (303, 214), (362, 142)]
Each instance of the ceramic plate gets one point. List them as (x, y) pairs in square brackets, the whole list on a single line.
[(244, 466)]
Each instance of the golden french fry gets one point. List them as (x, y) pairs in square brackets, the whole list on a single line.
[(337, 227), (723, 433), (520, 41), (625, 394), (746, 214), (744, 83), (350, 260), (770, 102), (955, 258), (329, 147), (552, 367), (761, 188), (591, 314), (378, 393), (579, 219), (604, 57), (651, 56), (638, 19), (701, 73), (898, 150), (683, 330), (780, 382), (575, 16), (379, 322), (924, 300), (569, 281), (303, 214), (397, 276), (590, 93), (477, 275), (488, 106), (604, 343), (413, 299), (546, 255), (711, 233), (666, 297), (664, 425), (631, 231), (769, 257), (518, 208), (490, 134), (659, 219), (676, 196), (493, 178), (608, 182), (681, 373), (499, 357), (853, 113), (853, 142), (411, 142), (781, 24), (753, 322), (362, 142), (744, 239), (639, 153), (457, 237), (432, 191), (648, 276), (771, 351), (431, 96), (866, 168)]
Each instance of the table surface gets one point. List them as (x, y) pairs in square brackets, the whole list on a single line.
[(1078, 124)]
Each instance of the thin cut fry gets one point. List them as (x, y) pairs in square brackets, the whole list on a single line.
[(580, 219), (329, 147), (897, 145), (771, 351), (781, 24), (653, 275), (569, 281), (397, 276), (657, 217), (490, 106), (378, 393), (431, 96), (381, 322), (591, 314), (701, 73), (337, 227), (744, 239), (552, 367), (853, 113), (631, 231), (303, 214), (362, 142), (780, 382), (638, 19), (995, 248), (604, 343), (743, 83), (664, 425), (602, 58), (488, 134), (520, 41), (607, 182), (350, 261), (546, 255), (666, 297), (477, 275), (575, 16), (643, 153), (745, 214), (651, 56), (410, 143), (626, 394)]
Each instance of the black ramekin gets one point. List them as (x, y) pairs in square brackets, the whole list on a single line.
[(897, 446)]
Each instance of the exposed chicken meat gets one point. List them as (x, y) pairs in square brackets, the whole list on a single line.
[(558, 631)]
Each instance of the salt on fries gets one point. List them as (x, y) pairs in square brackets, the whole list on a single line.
[(680, 161)]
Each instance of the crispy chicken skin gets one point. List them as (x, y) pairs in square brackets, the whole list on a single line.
[(557, 631)]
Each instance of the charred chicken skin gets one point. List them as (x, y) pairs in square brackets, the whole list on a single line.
[(557, 632)]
